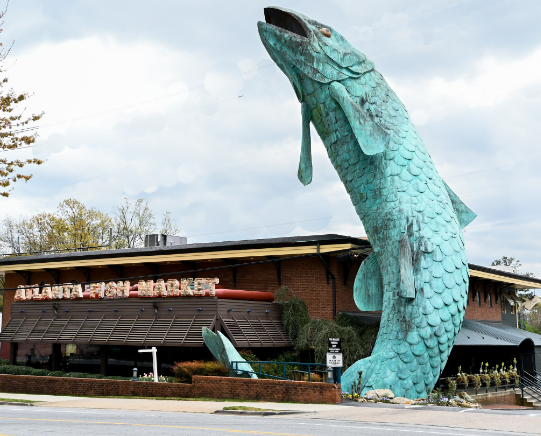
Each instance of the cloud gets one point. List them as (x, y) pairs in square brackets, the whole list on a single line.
[(180, 104)]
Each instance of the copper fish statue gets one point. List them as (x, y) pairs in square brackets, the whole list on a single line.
[(417, 274)]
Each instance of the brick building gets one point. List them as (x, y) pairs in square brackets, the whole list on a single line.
[(84, 334)]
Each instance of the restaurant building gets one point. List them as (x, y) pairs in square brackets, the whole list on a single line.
[(233, 283)]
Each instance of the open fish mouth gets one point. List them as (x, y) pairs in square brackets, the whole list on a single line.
[(284, 20)]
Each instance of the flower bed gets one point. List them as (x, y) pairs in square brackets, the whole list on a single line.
[(434, 399)]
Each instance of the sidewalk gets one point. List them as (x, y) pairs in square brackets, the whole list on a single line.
[(187, 406)]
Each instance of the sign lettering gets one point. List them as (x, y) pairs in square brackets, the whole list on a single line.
[(115, 290)]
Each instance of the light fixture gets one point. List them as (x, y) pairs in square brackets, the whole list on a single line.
[(330, 375)]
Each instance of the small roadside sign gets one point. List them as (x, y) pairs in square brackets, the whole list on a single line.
[(334, 360), (335, 345)]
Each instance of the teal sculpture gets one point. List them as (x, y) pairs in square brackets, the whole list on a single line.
[(417, 273), (224, 351)]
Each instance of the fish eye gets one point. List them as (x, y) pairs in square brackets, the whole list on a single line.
[(325, 32)]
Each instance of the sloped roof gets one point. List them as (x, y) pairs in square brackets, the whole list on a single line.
[(474, 333), (288, 246)]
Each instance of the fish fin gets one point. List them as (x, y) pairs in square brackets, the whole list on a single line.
[(407, 284), (368, 287), (463, 212), (224, 351), (305, 165), (370, 135)]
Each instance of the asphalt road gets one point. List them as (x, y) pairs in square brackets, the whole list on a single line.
[(36, 421)]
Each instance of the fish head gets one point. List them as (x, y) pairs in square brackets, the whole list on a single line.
[(303, 47)]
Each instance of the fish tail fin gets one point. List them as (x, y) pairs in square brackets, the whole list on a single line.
[(359, 370)]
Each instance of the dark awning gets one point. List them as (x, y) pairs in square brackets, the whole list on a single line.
[(245, 332), (111, 331)]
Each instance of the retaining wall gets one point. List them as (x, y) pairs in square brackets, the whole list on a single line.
[(207, 387), (499, 398)]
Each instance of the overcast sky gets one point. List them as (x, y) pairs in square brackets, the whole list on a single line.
[(178, 102)]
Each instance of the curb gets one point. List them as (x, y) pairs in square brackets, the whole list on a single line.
[(262, 413), (14, 403)]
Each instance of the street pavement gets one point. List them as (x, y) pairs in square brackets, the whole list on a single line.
[(118, 416)]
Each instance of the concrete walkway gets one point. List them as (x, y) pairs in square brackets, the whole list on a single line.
[(507, 421), (188, 406)]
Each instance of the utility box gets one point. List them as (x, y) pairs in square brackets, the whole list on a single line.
[(161, 240)]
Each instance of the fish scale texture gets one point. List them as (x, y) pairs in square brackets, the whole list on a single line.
[(399, 192)]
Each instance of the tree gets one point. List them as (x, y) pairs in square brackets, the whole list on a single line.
[(9, 235), (533, 319), (132, 222), (36, 234), (74, 226), (2, 284), (515, 265), (14, 130), (169, 225)]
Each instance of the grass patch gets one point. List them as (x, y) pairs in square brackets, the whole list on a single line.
[(13, 400), (249, 409)]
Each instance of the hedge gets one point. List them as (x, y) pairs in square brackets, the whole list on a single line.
[(185, 370), (26, 370)]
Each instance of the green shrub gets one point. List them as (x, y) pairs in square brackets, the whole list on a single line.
[(78, 375), (22, 370), (57, 374), (367, 333), (295, 315), (99, 376), (316, 335), (9, 369), (116, 377), (248, 355), (4, 362), (184, 371)]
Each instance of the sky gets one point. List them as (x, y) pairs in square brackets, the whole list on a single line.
[(179, 103)]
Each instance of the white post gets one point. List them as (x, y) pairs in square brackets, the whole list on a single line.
[(153, 350), (155, 363)]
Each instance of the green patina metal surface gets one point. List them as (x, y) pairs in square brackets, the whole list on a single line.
[(224, 351), (418, 272)]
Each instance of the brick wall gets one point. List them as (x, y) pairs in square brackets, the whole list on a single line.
[(207, 387), (509, 398), (267, 390), (483, 311)]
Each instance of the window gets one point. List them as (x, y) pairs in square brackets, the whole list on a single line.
[(504, 306), (489, 299), (478, 296), (512, 309)]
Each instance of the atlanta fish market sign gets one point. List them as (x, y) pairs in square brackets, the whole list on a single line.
[(115, 290)]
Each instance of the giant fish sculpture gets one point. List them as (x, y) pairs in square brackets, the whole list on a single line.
[(417, 273)]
